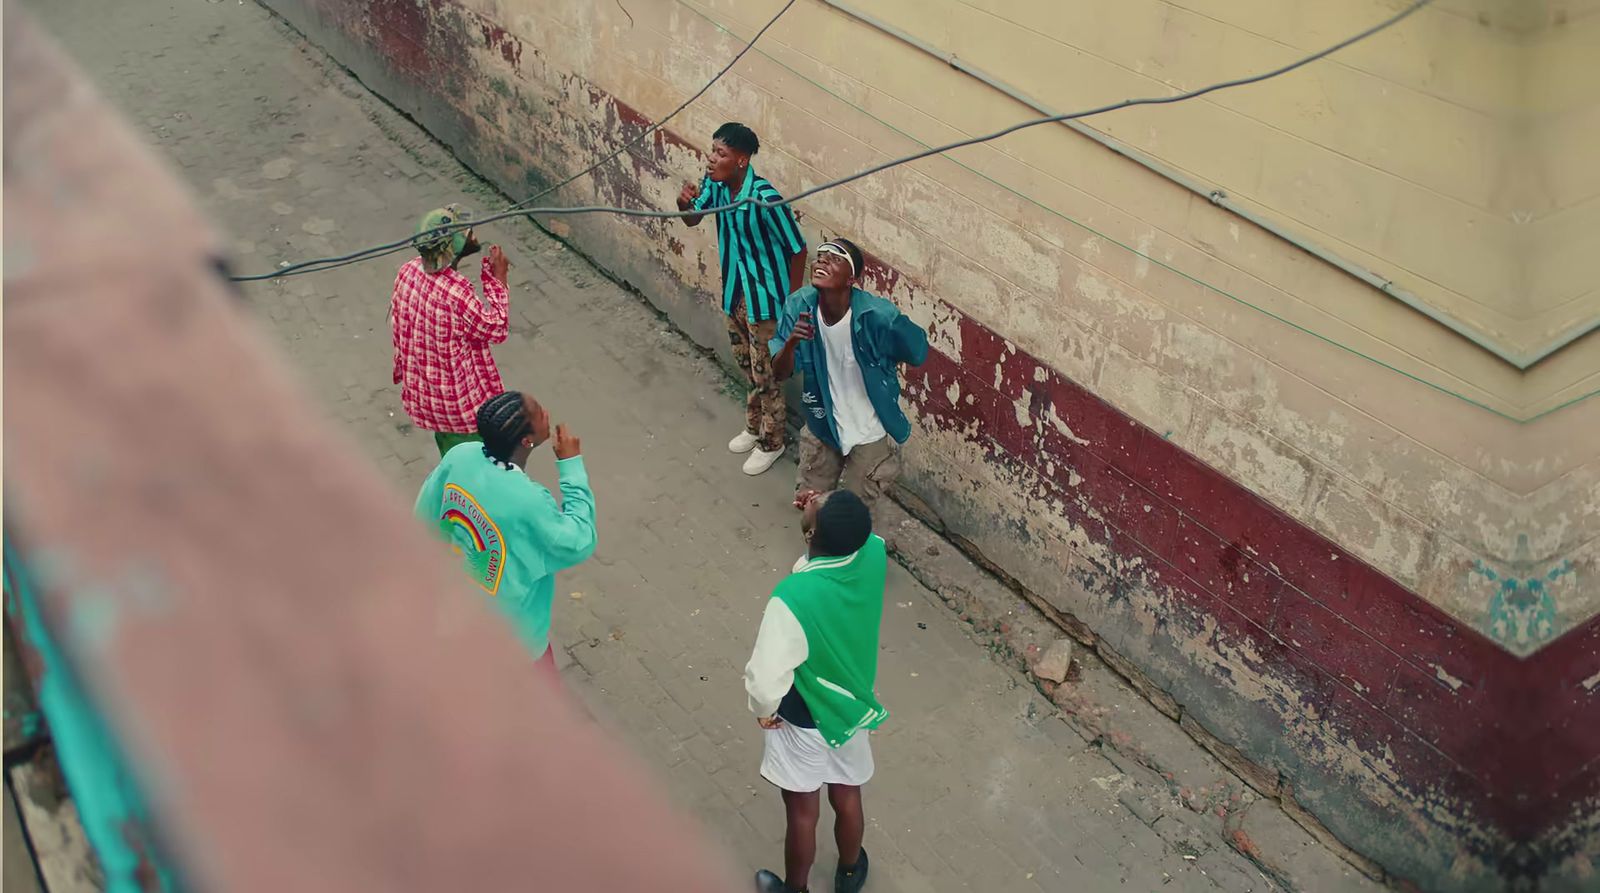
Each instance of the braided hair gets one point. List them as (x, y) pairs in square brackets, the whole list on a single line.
[(503, 422)]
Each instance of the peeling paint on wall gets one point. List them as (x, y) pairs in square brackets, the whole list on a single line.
[(1277, 560)]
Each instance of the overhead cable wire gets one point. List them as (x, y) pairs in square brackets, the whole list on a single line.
[(1154, 259), (398, 246), (1157, 261), (663, 122), (378, 250), (317, 265)]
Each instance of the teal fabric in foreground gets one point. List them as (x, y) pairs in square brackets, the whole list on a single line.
[(111, 805)]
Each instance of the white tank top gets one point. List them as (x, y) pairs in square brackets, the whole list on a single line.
[(852, 408)]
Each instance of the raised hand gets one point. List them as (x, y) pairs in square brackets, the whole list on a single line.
[(803, 329), (567, 444), (687, 195), (498, 265)]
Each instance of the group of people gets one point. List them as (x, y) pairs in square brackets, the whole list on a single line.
[(811, 675)]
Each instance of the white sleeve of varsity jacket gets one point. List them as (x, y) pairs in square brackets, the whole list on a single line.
[(780, 648)]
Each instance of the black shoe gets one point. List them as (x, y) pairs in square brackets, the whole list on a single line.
[(767, 882), (851, 881)]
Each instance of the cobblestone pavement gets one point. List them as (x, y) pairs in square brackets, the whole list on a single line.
[(981, 785)]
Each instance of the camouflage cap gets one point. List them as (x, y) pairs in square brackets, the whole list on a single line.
[(439, 249)]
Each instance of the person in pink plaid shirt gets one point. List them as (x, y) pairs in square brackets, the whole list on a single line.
[(442, 331)]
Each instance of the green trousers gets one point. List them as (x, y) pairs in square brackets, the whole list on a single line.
[(447, 441)]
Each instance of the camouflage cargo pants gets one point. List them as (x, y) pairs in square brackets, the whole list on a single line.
[(764, 410)]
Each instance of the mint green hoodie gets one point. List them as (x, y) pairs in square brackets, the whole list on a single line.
[(510, 531)]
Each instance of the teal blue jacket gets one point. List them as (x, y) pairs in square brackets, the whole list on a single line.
[(510, 532), (882, 337)]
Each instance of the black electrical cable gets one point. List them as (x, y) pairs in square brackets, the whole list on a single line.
[(320, 264), (896, 162), (663, 122)]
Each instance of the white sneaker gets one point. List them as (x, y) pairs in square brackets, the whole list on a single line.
[(744, 443), (760, 460)]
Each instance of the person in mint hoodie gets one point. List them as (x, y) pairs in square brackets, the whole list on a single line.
[(810, 681), (509, 529)]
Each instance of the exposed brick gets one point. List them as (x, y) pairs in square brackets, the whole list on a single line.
[(1052, 665)]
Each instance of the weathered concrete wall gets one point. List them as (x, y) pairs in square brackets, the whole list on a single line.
[(1305, 511), (1558, 125)]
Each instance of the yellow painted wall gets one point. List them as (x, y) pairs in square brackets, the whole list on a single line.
[(1351, 412), (1417, 154), (1559, 126), (1003, 232)]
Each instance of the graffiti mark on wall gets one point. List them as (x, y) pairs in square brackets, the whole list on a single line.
[(1522, 608)]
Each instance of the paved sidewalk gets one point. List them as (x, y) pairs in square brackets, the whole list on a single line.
[(981, 785)]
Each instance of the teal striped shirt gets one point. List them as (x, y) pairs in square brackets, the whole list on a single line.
[(755, 244)]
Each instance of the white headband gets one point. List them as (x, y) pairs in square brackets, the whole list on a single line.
[(837, 249)]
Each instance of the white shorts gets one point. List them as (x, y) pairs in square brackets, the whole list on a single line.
[(797, 759)]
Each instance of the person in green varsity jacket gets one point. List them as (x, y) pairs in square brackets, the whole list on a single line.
[(810, 681), (508, 529)]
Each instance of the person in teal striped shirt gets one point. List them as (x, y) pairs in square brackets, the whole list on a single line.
[(508, 529), (763, 261)]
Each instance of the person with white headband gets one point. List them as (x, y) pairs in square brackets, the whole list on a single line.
[(847, 343)]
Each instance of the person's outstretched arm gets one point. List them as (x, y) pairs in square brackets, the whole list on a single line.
[(489, 321), (566, 533)]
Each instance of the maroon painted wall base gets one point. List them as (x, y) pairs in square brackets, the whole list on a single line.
[(1419, 741)]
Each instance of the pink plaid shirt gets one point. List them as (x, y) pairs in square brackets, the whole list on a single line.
[(442, 333)]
